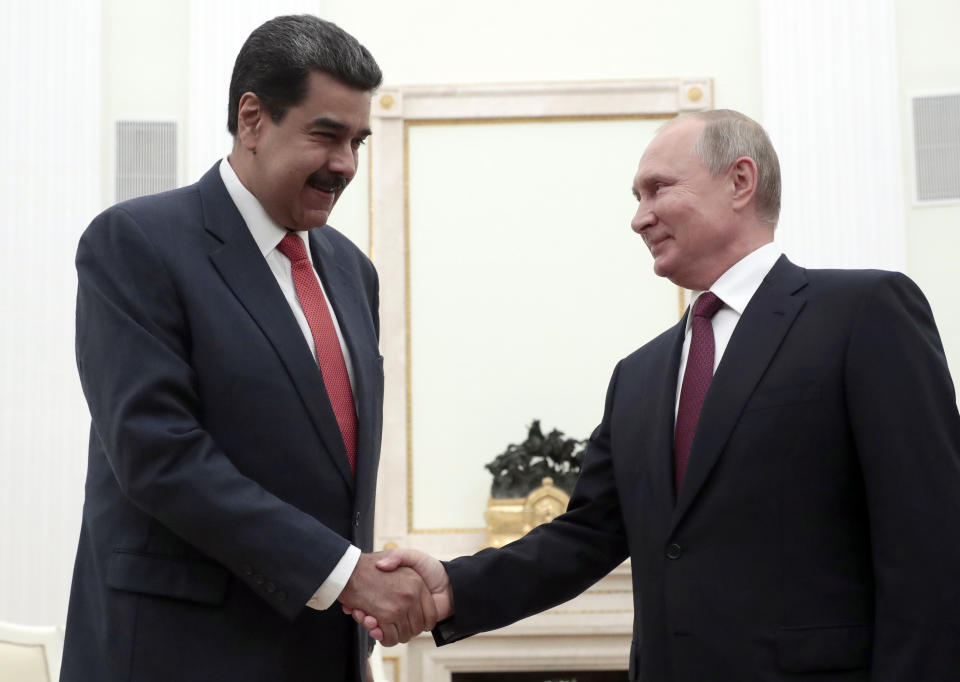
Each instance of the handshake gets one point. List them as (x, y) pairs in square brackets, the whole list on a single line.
[(397, 594)]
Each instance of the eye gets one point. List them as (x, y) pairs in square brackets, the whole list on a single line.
[(358, 143)]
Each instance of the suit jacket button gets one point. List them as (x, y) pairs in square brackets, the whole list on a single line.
[(674, 551), (247, 569), (356, 520), (258, 579), (270, 587), (281, 596)]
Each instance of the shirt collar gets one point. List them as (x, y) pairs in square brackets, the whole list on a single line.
[(264, 229), (738, 284)]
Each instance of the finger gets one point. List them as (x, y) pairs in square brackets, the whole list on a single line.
[(392, 560), (407, 622), (429, 609), (377, 634), (370, 623), (414, 622), (358, 617), (391, 635), (405, 631), (346, 609)]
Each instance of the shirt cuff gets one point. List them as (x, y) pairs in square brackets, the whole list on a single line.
[(331, 588)]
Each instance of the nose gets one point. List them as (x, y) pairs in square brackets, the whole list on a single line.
[(643, 218), (343, 160)]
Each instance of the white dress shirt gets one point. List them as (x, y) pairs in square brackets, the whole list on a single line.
[(735, 288), (267, 234)]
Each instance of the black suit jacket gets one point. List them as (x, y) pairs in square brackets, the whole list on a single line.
[(219, 494), (816, 534)]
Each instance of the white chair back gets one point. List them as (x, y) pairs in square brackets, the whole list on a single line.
[(30, 653)]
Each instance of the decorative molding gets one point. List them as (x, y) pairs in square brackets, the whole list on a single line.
[(395, 111), (576, 641)]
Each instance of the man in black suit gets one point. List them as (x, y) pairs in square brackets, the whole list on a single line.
[(227, 347), (782, 466)]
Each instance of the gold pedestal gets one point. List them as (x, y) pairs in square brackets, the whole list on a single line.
[(509, 518)]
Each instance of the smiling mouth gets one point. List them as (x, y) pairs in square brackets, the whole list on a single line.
[(650, 240), (652, 244)]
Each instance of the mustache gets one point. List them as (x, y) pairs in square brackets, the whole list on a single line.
[(327, 181)]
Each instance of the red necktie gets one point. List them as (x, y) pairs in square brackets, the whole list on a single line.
[(696, 380), (329, 354)]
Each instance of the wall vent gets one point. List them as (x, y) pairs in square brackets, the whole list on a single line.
[(936, 147), (146, 158)]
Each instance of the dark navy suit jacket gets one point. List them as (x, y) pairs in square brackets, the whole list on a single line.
[(817, 533), (219, 494)]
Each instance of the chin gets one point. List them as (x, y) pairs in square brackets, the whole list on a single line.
[(661, 269), (312, 219)]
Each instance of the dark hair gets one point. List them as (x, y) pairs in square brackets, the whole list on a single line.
[(276, 60)]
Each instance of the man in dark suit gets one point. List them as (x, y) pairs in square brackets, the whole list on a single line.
[(782, 466), (227, 347)]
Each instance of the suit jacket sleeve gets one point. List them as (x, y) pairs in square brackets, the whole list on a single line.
[(133, 355), (905, 424), (551, 564)]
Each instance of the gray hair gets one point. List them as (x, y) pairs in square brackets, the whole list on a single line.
[(728, 135)]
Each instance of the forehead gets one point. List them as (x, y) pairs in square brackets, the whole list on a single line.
[(671, 150), (328, 98)]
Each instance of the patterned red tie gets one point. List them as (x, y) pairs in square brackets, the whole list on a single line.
[(329, 354), (696, 380)]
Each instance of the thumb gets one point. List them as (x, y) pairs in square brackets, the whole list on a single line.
[(392, 560)]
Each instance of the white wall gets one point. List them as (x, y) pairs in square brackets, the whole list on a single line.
[(436, 41), (49, 190), (929, 63), (144, 72), (94, 61)]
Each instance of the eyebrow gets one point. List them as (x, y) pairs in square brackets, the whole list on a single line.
[(332, 123), (649, 181)]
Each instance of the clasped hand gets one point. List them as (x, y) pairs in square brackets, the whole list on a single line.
[(397, 594)]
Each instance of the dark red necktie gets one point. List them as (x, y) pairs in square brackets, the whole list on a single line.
[(329, 354), (696, 380)]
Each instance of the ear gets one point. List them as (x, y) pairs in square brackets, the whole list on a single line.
[(743, 178), (250, 114)]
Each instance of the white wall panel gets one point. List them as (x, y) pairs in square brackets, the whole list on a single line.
[(50, 67), (527, 286), (829, 85)]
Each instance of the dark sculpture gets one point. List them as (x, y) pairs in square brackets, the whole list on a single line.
[(522, 468)]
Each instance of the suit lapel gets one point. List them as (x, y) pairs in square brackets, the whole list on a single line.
[(665, 418), (753, 345), (243, 268), (643, 433), (350, 310)]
